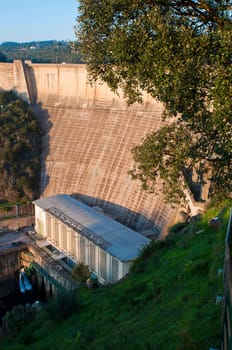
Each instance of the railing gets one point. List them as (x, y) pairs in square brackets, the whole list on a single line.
[(227, 297)]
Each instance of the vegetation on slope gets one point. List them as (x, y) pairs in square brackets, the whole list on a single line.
[(167, 302), (20, 147)]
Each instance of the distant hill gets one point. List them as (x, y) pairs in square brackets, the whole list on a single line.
[(50, 51), (16, 44)]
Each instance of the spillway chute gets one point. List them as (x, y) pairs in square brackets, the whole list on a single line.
[(24, 284)]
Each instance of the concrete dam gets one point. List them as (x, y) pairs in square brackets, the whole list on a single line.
[(88, 135)]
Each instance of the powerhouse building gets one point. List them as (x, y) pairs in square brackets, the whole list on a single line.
[(86, 235)]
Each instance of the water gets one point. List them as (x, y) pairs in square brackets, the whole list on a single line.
[(16, 298)]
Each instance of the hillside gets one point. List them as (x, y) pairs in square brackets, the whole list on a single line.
[(51, 51), (167, 302), (20, 148)]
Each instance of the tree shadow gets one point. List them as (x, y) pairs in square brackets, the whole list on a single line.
[(43, 118)]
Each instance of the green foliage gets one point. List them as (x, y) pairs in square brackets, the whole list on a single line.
[(81, 272), (140, 262), (180, 53), (158, 158), (20, 148), (178, 227), (62, 305), (27, 336), (15, 319)]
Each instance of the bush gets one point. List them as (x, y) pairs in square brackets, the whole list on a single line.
[(27, 336), (178, 227), (62, 305), (81, 272), (20, 149), (149, 251), (15, 320)]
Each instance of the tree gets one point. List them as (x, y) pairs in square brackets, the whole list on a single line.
[(81, 272), (20, 148), (180, 52)]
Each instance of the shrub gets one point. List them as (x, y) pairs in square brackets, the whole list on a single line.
[(20, 148), (15, 320), (27, 336), (178, 227), (62, 305), (81, 272)]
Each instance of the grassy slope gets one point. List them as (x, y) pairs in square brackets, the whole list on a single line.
[(166, 303)]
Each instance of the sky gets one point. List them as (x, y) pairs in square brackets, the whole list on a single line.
[(37, 20)]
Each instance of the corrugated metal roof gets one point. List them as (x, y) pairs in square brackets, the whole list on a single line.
[(122, 242)]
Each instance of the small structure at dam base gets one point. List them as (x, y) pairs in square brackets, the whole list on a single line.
[(79, 233)]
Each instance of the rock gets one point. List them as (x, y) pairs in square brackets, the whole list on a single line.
[(28, 307), (195, 218), (91, 281), (215, 223), (37, 306)]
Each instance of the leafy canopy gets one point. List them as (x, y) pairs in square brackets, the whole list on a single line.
[(20, 148), (81, 272), (180, 52)]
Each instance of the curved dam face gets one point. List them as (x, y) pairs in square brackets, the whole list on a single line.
[(89, 133)]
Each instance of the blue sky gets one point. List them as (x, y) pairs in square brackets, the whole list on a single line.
[(29, 20)]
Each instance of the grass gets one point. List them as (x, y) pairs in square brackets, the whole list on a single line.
[(4, 204), (167, 302)]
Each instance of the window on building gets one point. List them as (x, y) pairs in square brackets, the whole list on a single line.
[(64, 234), (56, 231), (92, 257), (114, 269), (40, 226), (82, 249), (48, 226), (74, 242), (102, 264)]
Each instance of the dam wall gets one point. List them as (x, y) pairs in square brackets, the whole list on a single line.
[(12, 77), (88, 135)]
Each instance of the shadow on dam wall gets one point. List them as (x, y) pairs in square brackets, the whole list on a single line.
[(125, 216), (43, 118)]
